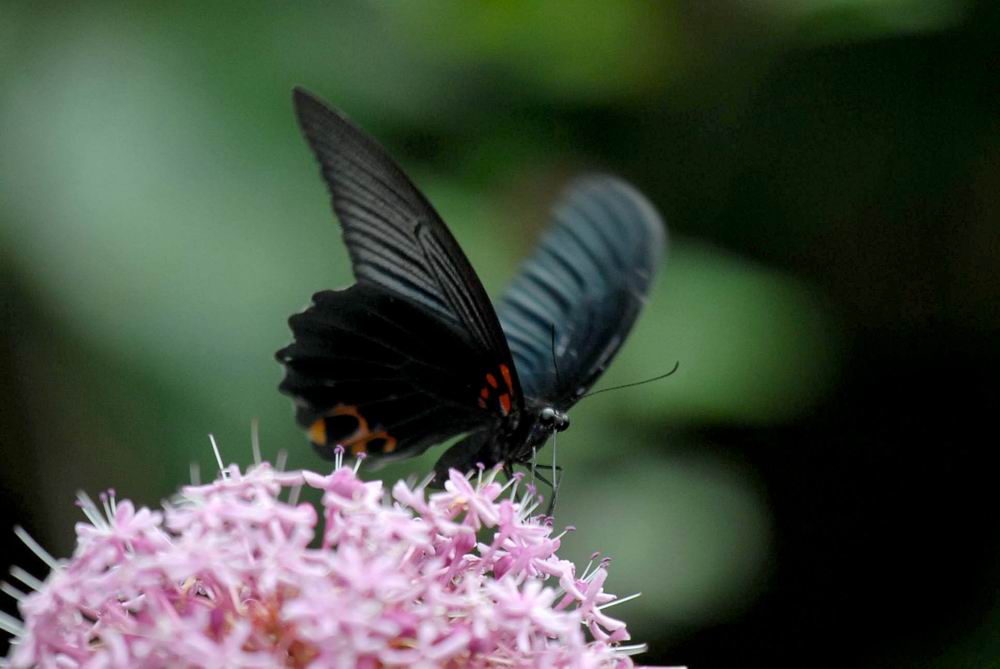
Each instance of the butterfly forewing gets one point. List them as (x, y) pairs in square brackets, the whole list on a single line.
[(575, 299), (394, 236)]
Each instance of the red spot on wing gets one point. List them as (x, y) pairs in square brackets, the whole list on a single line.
[(505, 373), (505, 403)]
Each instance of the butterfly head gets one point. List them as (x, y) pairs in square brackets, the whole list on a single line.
[(531, 433)]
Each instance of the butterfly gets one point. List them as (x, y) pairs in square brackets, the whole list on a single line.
[(414, 352)]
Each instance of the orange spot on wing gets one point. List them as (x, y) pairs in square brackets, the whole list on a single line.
[(505, 403), (350, 410), (346, 410), (484, 393), (355, 438), (361, 444), (359, 440), (492, 380), (317, 432), (505, 373)]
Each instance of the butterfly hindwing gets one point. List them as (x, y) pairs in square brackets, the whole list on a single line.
[(378, 374), (575, 299)]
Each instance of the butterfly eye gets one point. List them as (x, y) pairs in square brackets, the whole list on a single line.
[(548, 415), (563, 423)]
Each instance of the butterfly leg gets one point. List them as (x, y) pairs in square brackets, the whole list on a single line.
[(557, 476), (534, 463), (551, 506)]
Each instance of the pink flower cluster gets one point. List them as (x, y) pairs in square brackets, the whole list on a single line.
[(231, 575)]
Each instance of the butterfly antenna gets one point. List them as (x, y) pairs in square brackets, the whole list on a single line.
[(554, 365), (637, 383)]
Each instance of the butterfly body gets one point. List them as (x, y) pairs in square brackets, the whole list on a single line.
[(415, 353)]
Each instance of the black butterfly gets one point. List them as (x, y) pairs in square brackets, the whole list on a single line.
[(414, 352)]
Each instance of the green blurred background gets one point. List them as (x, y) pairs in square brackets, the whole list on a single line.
[(810, 488)]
